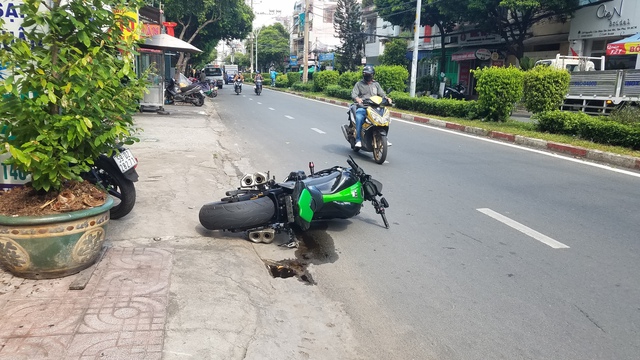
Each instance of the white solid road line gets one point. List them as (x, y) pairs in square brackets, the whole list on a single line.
[(289, 117), (318, 131), (524, 229)]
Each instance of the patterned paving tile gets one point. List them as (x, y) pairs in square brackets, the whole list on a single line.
[(41, 317), (120, 314), (114, 314), (35, 347)]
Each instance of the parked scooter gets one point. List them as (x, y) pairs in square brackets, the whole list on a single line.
[(208, 89), (116, 174), (258, 87), (192, 94), (237, 86), (374, 130), (456, 92)]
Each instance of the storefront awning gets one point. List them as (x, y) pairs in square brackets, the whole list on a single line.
[(627, 46), (464, 55)]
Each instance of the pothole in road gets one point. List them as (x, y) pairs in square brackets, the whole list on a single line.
[(315, 247)]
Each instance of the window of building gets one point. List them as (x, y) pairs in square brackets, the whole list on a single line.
[(328, 14), (371, 29)]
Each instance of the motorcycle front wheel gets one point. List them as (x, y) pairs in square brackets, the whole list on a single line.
[(117, 185), (198, 100), (239, 215), (379, 147)]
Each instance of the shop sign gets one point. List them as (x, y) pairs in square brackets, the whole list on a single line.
[(611, 18), (462, 56), (483, 54)]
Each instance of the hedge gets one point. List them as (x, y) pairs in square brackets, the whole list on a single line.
[(338, 91), (300, 86), (322, 79), (439, 107), (392, 77), (498, 89), (293, 78), (348, 79), (545, 88), (598, 129), (282, 81)]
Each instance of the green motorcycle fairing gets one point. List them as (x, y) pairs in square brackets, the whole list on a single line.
[(307, 208)]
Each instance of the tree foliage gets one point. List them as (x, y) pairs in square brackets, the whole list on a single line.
[(203, 23), (395, 53), (348, 25), (511, 19), (71, 98), (273, 46), (403, 13)]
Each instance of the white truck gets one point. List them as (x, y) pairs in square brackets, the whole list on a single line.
[(594, 90)]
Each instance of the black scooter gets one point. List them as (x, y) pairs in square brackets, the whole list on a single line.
[(456, 92), (191, 94), (258, 87)]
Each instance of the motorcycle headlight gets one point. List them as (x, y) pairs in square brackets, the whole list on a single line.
[(379, 116)]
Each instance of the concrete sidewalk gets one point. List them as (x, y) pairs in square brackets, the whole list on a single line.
[(168, 289)]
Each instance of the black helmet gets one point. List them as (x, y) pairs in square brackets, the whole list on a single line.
[(368, 72)]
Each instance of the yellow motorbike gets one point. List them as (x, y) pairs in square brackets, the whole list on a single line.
[(374, 130)]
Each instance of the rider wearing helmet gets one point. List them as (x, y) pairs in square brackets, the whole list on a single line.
[(364, 89)]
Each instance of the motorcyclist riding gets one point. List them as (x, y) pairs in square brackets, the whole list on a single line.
[(363, 90), (238, 77)]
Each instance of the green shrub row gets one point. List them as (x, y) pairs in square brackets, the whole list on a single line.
[(349, 78), (440, 107), (300, 86), (338, 91), (391, 78), (598, 129)]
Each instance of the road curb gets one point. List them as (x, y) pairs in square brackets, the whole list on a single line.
[(625, 161)]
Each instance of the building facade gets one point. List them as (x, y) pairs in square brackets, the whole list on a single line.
[(322, 36)]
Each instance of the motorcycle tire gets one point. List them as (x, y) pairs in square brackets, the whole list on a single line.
[(379, 147), (240, 215), (119, 187), (198, 100)]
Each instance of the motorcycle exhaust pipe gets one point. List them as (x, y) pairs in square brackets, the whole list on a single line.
[(259, 178), (263, 236), (247, 181)]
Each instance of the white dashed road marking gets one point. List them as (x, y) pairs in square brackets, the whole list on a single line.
[(318, 131), (289, 117), (524, 229), (271, 109), (259, 103)]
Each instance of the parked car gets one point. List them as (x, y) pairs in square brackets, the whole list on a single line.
[(214, 75)]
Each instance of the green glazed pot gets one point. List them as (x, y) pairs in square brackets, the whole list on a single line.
[(53, 246)]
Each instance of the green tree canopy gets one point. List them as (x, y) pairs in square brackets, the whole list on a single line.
[(511, 19), (273, 46), (395, 53), (402, 12), (348, 24), (203, 23)]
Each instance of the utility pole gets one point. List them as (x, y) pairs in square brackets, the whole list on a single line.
[(305, 65), (252, 42), (414, 63)]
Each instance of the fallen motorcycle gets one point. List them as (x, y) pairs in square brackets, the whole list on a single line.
[(262, 207)]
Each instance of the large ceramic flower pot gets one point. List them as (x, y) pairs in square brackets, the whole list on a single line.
[(52, 246)]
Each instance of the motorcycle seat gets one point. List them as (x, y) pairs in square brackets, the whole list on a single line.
[(187, 88)]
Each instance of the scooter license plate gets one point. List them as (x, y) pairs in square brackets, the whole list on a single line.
[(125, 160)]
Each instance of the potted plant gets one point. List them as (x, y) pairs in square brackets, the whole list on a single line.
[(69, 92)]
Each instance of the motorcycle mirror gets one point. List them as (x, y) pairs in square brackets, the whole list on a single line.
[(311, 167)]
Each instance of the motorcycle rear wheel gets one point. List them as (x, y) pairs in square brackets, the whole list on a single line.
[(118, 186), (240, 215), (379, 147)]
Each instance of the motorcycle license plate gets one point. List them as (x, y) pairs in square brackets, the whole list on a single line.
[(125, 160)]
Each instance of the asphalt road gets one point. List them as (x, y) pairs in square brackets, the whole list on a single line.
[(494, 251)]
